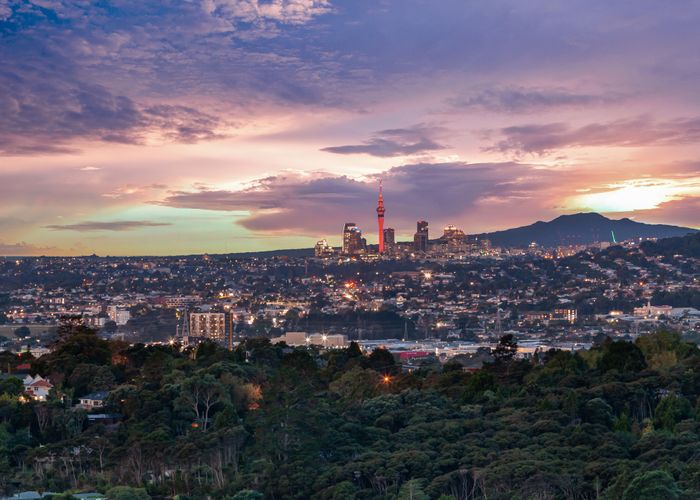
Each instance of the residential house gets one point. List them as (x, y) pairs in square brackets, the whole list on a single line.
[(37, 387), (93, 400)]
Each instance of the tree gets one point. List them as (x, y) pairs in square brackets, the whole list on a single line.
[(201, 393), (127, 493), (12, 386), (671, 410), (381, 360), (76, 345), (355, 385), (506, 349), (87, 378), (22, 331), (652, 486), (663, 348), (69, 326), (597, 411), (248, 495), (110, 326), (412, 490), (622, 356)]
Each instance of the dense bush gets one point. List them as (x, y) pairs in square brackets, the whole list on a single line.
[(619, 421)]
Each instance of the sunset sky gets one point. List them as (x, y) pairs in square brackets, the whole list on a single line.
[(191, 126)]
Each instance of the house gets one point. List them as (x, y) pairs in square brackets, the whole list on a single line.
[(32, 495), (28, 495), (35, 495), (109, 420), (93, 400), (37, 387)]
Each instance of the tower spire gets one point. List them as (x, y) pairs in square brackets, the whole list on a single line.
[(380, 217)]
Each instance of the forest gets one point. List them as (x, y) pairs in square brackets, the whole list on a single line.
[(621, 420)]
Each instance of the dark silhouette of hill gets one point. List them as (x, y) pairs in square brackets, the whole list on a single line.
[(582, 228), (290, 252)]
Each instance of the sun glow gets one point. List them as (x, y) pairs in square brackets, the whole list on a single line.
[(628, 196)]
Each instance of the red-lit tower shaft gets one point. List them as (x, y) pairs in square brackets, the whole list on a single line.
[(380, 218)]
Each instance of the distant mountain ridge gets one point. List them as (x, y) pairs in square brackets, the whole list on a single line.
[(581, 229)]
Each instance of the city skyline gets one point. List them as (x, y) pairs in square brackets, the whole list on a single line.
[(229, 125)]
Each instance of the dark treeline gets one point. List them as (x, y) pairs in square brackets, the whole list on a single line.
[(688, 246), (268, 421)]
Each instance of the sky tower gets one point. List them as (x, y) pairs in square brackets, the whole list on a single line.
[(380, 217)]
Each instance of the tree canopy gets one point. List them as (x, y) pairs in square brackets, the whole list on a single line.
[(270, 421)]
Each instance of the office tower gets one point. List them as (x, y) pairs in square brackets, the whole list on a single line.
[(208, 325), (323, 249), (451, 232), (119, 315), (352, 239), (389, 238), (420, 239), (380, 218)]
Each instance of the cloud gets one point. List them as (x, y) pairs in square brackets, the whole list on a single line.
[(5, 10), (89, 168), (23, 248), (682, 211), (256, 11), (293, 203), (119, 225), (42, 111), (635, 132), (395, 142), (515, 100)]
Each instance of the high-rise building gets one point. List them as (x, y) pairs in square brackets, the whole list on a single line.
[(352, 239), (323, 249), (119, 315), (451, 232), (380, 218), (420, 239), (208, 325), (568, 315), (389, 238)]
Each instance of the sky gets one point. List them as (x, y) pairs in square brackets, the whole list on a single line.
[(212, 126)]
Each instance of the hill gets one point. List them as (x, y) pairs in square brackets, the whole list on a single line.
[(582, 228), (290, 252), (265, 421), (688, 246)]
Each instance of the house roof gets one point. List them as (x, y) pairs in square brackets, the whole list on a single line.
[(27, 495), (96, 396), (41, 383)]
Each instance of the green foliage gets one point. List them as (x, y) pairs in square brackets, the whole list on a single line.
[(12, 386), (87, 378), (652, 485), (127, 493), (671, 410), (382, 361), (77, 345), (412, 490), (663, 349), (248, 495), (356, 385), (622, 356), (597, 411), (268, 421), (22, 331), (506, 349)]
